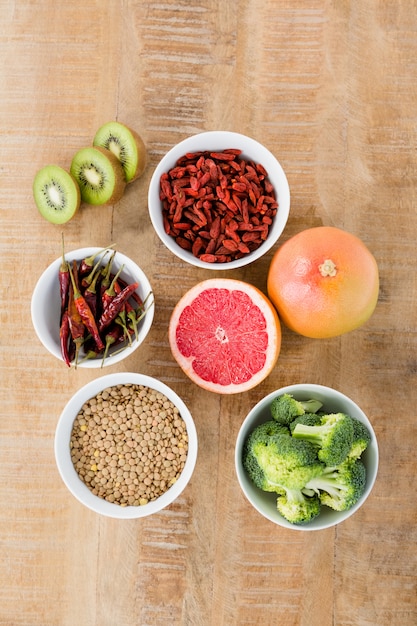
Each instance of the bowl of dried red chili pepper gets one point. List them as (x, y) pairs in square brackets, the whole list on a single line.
[(219, 200), (92, 307)]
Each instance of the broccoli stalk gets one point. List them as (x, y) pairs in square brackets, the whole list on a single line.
[(339, 487), (333, 436), (285, 408), (308, 419)]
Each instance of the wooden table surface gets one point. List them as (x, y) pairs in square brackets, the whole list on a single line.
[(330, 88)]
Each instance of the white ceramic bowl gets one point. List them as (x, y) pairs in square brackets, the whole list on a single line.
[(216, 141), (333, 401), (45, 307), (63, 456)]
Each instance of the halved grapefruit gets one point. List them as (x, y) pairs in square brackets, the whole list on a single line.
[(324, 282), (225, 335)]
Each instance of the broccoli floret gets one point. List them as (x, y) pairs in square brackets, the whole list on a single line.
[(298, 508), (333, 436), (285, 408), (308, 419), (267, 429), (340, 487), (274, 460), (287, 462), (261, 433), (361, 439)]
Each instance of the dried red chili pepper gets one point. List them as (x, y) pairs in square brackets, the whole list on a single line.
[(64, 281), (87, 279), (86, 314), (90, 294), (115, 306), (76, 325), (135, 296), (64, 332), (87, 263)]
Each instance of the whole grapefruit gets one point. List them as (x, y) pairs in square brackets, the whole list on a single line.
[(225, 334), (324, 282)]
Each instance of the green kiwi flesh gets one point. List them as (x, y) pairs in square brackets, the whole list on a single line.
[(56, 194), (126, 145), (99, 174)]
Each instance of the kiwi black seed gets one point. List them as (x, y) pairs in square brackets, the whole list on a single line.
[(126, 145), (99, 174), (56, 193)]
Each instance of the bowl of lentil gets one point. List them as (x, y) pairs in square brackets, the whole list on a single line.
[(48, 312), (126, 445), (219, 200)]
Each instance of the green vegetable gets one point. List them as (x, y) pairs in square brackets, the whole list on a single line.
[(298, 508), (308, 419), (340, 487), (361, 439), (260, 436), (276, 462), (287, 462), (285, 408), (333, 436), (309, 460)]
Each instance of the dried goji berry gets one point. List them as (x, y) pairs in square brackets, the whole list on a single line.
[(208, 258), (183, 243), (217, 204)]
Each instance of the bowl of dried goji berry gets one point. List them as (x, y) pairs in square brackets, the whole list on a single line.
[(219, 200)]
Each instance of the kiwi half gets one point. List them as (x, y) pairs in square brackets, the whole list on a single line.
[(126, 145), (56, 193), (99, 174)]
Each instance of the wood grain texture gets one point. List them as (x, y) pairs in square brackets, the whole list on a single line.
[(330, 88)]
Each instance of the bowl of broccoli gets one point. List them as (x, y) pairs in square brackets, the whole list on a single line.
[(306, 457)]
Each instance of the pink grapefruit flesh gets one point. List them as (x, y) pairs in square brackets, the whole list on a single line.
[(225, 335)]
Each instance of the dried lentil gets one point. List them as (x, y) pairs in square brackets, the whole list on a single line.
[(129, 460)]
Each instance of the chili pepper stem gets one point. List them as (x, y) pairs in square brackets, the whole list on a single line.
[(110, 339), (133, 322), (111, 291), (91, 354), (121, 320), (136, 315), (88, 262), (106, 273), (87, 280)]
